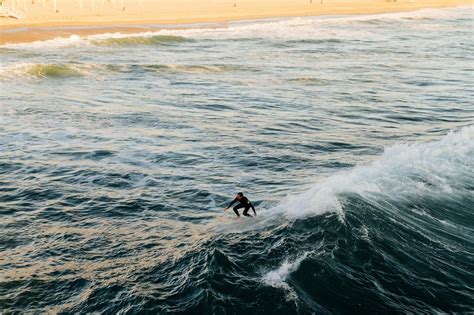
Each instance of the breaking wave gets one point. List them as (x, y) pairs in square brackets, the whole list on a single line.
[(36, 70), (403, 173)]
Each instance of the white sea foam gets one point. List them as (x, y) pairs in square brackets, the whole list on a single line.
[(76, 40), (57, 42), (277, 278), (403, 172)]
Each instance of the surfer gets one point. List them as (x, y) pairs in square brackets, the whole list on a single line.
[(244, 202)]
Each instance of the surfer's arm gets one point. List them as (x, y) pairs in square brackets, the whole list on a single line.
[(230, 204)]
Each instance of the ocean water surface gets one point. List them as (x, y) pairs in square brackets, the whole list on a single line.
[(352, 135)]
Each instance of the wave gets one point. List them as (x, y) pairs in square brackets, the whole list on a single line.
[(57, 42), (140, 40), (39, 70), (315, 29), (106, 39), (427, 188), (320, 29), (403, 173), (44, 70)]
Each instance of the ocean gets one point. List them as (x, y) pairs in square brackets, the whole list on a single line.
[(352, 135)]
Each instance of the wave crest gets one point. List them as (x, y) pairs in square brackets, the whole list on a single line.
[(39, 70), (404, 172), (140, 40), (42, 71)]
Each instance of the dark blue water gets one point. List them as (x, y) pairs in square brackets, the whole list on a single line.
[(353, 136)]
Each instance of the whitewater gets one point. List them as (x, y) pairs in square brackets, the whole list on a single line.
[(352, 135)]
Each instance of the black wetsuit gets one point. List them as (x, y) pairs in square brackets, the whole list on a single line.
[(243, 203)]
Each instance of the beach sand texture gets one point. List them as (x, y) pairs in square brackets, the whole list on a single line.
[(103, 15)]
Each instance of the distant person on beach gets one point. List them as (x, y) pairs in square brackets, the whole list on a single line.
[(244, 202)]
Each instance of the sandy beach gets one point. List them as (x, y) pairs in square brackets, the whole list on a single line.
[(26, 21)]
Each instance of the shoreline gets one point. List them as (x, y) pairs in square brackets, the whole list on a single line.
[(31, 29)]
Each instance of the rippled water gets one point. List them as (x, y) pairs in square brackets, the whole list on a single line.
[(352, 135)]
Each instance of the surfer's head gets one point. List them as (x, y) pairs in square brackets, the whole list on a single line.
[(240, 195)]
